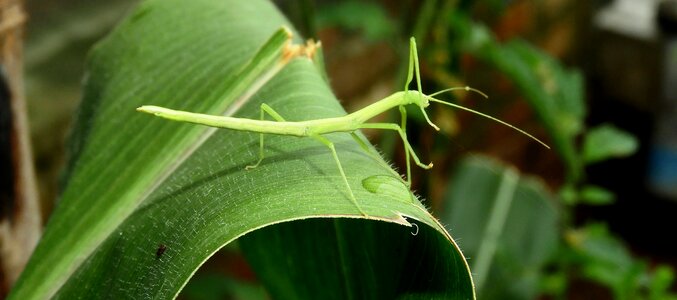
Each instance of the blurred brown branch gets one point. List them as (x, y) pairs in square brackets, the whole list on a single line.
[(19, 210)]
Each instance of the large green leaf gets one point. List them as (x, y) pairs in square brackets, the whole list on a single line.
[(147, 201)]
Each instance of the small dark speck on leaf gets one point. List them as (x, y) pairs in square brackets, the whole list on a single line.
[(160, 250)]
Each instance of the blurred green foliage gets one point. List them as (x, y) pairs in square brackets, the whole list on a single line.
[(367, 18), (507, 225), (605, 142)]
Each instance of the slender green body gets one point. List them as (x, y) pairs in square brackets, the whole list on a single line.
[(347, 123)]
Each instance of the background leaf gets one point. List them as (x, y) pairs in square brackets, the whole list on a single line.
[(595, 195), (527, 235), (607, 261), (554, 92), (129, 191), (355, 15), (606, 141)]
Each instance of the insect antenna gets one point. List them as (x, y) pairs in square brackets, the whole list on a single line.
[(484, 115), (465, 88)]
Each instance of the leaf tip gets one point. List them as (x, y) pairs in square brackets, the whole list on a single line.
[(288, 31)]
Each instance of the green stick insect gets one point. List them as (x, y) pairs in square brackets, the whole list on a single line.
[(349, 123)]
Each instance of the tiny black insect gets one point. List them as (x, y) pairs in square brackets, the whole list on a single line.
[(160, 250)]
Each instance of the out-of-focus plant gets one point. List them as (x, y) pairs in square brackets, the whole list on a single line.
[(518, 232), (556, 95)]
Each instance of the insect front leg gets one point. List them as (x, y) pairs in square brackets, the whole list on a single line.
[(407, 146), (415, 69), (413, 59), (403, 134), (269, 110), (329, 144), (414, 66)]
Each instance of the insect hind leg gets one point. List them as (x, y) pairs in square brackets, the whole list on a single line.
[(403, 136), (265, 108), (331, 147)]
